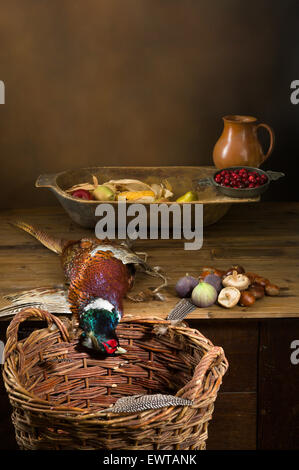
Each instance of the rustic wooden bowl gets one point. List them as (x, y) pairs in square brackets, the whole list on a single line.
[(182, 179)]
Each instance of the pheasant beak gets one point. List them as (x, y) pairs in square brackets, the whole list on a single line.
[(120, 350)]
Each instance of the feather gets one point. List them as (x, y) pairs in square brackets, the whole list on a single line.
[(137, 403), (52, 300), (181, 310), (53, 243), (128, 256)]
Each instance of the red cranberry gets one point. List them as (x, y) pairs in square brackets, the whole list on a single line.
[(240, 178)]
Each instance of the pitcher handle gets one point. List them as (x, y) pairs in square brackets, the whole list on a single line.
[(272, 140)]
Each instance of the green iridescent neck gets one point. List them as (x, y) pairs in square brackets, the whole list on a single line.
[(100, 321)]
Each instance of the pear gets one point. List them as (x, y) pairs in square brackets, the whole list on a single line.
[(103, 193), (188, 197)]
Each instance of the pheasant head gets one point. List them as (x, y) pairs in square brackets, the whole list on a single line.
[(98, 320)]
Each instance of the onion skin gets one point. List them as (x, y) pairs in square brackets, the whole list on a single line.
[(185, 286), (204, 295)]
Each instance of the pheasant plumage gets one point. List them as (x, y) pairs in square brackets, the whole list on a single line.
[(99, 275)]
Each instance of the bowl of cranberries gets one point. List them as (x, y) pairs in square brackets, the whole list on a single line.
[(244, 181)]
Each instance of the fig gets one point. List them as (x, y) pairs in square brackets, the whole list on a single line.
[(185, 286), (215, 281), (103, 193), (204, 295)]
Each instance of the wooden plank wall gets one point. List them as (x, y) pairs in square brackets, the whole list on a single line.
[(234, 422), (278, 386)]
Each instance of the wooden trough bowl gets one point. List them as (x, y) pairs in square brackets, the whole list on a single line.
[(181, 178)]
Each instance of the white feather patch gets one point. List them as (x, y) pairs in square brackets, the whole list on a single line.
[(99, 304)]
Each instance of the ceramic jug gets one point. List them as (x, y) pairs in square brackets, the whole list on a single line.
[(239, 144)]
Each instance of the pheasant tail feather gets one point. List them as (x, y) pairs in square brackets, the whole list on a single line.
[(53, 243)]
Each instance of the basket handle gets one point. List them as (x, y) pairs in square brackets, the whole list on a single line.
[(27, 314), (192, 390)]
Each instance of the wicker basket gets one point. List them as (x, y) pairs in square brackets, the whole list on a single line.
[(61, 394)]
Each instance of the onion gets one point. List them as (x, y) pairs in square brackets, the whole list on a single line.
[(204, 295)]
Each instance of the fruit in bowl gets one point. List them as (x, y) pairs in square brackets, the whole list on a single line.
[(240, 178), (124, 189), (243, 182), (103, 193), (82, 194)]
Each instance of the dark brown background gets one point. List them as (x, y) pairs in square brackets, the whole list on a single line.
[(140, 82)]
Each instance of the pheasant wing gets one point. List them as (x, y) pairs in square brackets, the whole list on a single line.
[(54, 300)]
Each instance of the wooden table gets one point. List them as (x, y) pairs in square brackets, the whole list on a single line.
[(258, 403)]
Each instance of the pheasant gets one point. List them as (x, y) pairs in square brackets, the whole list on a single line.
[(99, 274)]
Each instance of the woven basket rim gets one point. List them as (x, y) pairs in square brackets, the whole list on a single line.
[(18, 394)]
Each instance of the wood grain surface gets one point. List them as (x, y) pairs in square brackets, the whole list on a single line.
[(257, 404), (263, 237)]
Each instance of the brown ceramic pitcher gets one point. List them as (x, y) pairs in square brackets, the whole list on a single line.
[(239, 144)]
